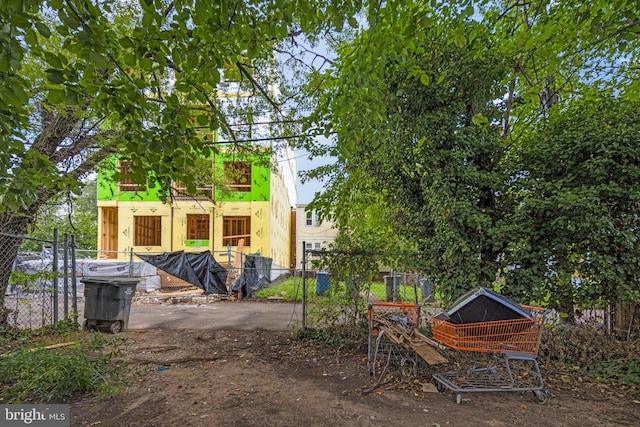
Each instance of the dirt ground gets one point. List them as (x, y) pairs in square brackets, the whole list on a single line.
[(269, 378)]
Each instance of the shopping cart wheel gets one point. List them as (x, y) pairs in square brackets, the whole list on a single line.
[(115, 327), (440, 387), (541, 396), (458, 398)]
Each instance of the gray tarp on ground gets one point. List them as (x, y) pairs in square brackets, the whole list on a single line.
[(199, 269), (255, 275)]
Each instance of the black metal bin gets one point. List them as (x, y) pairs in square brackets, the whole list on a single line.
[(107, 302)]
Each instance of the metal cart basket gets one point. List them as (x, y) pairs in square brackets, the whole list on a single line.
[(512, 346), (395, 342), (388, 322)]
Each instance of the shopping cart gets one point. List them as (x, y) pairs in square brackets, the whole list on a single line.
[(511, 347), (388, 325), (395, 342)]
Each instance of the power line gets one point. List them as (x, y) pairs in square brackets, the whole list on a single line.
[(276, 138)]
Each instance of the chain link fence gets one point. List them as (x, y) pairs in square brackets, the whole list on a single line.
[(41, 290), (389, 287)]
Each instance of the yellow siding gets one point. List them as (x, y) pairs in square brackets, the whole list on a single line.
[(126, 212), (270, 224), (181, 209), (280, 218)]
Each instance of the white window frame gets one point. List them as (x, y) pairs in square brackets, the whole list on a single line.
[(312, 219)]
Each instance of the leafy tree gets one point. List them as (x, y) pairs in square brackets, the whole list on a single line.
[(433, 107), (82, 80), (418, 144), (578, 206), (71, 214)]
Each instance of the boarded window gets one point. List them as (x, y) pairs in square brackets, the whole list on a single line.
[(239, 175), (148, 231), (126, 183), (236, 228), (198, 227)]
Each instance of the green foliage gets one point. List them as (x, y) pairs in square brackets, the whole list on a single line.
[(336, 318), (50, 375), (578, 204), (76, 215), (470, 133), (590, 352), (623, 372), (336, 337), (341, 308), (290, 290), (422, 177)]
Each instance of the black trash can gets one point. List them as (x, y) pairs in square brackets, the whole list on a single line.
[(107, 302)]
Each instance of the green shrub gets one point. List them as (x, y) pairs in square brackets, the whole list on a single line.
[(623, 372), (50, 375)]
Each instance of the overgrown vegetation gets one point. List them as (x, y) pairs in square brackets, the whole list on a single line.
[(588, 352), (30, 372), (479, 141)]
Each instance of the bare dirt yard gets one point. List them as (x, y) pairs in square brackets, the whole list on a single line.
[(209, 377)]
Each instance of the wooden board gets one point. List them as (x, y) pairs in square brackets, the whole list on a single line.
[(426, 352), (422, 345), (169, 281)]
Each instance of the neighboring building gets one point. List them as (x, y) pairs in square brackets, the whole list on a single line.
[(255, 218), (315, 234)]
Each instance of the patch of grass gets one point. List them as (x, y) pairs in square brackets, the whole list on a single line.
[(31, 373), (290, 290)]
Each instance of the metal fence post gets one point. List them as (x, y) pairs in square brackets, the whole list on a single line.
[(54, 270), (65, 268), (304, 286), (130, 262), (74, 287)]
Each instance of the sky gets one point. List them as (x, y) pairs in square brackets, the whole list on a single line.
[(306, 191)]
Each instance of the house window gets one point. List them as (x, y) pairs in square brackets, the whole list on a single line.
[(312, 218), (126, 183), (147, 231), (235, 228), (179, 191), (239, 175), (313, 246), (198, 227)]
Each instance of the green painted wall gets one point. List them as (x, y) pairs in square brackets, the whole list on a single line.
[(260, 182), (108, 189), (260, 185)]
